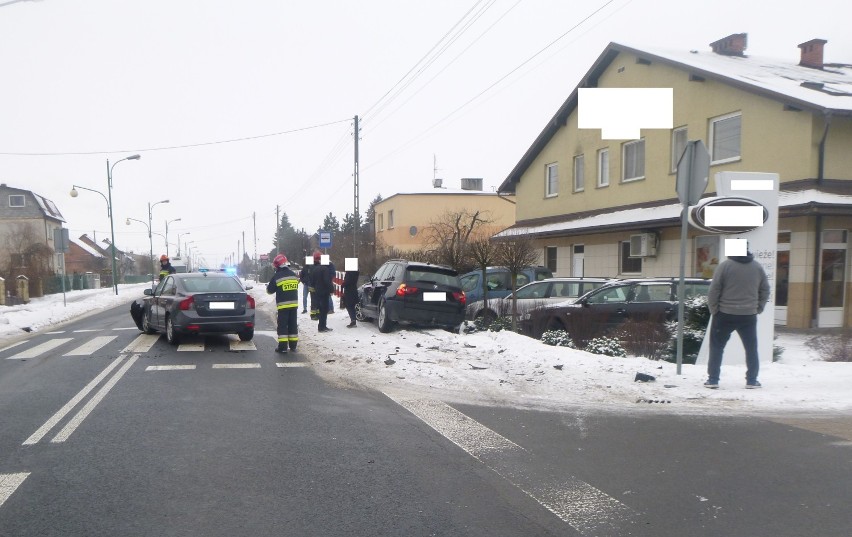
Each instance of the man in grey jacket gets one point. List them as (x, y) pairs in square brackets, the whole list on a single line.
[(738, 293)]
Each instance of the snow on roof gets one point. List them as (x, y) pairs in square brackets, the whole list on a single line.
[(443, 191), (828, 88), (85, 247), (665, 212)]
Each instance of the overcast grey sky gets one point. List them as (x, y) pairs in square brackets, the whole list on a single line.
[(84, 81)]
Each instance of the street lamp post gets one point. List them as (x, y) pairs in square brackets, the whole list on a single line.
[(167, 233), (178, 242), (109, 212), (150, 237)]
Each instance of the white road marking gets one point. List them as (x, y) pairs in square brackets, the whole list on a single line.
[(142, 343), (127, 328), (40, 349), (291, 364), (236, 345), (57, 332), (86, 330), (90, 346), (9, 483), (168, 367), (75, 422), (7, 347), (236, 366), (191, 347), (585, 508), (56, 418)]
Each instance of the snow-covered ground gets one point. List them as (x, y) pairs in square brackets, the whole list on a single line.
[(508, 369)]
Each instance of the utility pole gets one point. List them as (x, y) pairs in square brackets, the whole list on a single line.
[(356, 223), (277, 230), (254, 225)]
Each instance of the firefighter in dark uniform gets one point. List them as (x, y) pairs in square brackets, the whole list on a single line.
[(285, 285), (166, 267)]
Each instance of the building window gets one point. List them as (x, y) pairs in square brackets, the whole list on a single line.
[(551, 181), (381, 219), (603, 167), (725, 138), (678, 145), (634, 161), (629, 265), (833, 268), (579, 173), (782, 269), (16, 200), (390, 219), (550, 256)]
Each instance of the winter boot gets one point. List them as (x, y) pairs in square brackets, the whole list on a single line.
[(282, 347)]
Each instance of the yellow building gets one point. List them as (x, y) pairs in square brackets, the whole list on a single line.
[(581, 198), (403, 219)]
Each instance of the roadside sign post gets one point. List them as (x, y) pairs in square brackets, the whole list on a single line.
[(61, 246), (693, 172), (325, 239)]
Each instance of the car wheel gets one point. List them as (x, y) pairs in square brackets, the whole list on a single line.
[(487, 317), (246, 335), (171, 334), (384, 321), (146, 323)]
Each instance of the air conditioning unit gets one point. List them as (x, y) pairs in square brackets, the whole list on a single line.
[(643, 245)]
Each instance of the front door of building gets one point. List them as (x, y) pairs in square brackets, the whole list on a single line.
[(577, 260)]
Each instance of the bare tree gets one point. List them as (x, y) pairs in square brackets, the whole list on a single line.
[(483, 253), (515, 254), (449, 235)]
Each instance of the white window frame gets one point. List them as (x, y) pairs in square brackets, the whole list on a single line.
[(624, 178), (712, 138), (23, 200), (579, 173), (548, 192), (678, 145), (603, 167), (390, 219), (381, 219)]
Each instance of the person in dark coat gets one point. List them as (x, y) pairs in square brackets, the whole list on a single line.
[(305, 278), (321, 281), (285, 284), (350, 294)]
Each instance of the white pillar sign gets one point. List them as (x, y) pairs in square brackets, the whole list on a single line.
[(762, 242)]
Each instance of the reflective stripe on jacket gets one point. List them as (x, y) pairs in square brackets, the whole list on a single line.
[(285, 285)]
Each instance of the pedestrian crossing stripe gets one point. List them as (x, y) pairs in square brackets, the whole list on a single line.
[(142, 343), (191, 347), (291, 364), (169, 367), (90, 346), (236, 366), (40, 349)]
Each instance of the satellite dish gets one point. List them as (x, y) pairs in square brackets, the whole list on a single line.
[(412, 230)]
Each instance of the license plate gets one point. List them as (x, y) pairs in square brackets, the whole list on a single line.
[(434, 297), (221, 306)]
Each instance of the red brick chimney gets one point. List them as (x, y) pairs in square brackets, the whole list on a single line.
[(812, 53), (733, 45)]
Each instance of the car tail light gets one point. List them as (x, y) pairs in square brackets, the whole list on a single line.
[(460, 297), (250, 302), (187, 304), (193, 327), (404, 290)]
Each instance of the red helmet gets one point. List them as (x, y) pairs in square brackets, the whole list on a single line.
[(317, 256), (164, 258), (279, 260)]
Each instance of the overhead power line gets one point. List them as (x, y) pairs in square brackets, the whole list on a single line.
[(166, 148)]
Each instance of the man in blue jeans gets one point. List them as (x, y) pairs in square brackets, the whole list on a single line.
[(738, 293)]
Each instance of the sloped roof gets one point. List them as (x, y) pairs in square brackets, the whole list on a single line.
[(48, 207), (827, 90), (86, 248)]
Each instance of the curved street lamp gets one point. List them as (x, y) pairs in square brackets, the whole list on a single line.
[(178, 241), (109, 211), (150, 238), (167, 233)]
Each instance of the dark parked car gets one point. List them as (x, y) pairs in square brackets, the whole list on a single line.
[(196, 303), (404, 291), (600, 311)]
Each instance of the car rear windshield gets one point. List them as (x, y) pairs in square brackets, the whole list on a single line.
[(204, 284), (430, 275)]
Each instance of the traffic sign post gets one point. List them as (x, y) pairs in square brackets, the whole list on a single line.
[(693, 172), (325, 239)]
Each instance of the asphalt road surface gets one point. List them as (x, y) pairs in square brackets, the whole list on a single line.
[(105, 431)]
